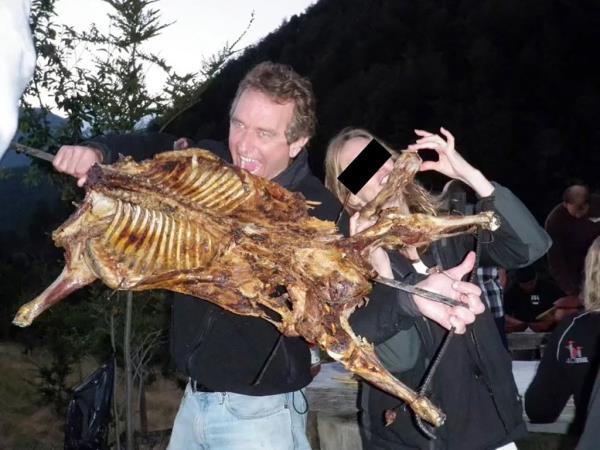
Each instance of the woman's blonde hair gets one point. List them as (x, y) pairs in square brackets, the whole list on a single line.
[(417, 198), (591, 286)]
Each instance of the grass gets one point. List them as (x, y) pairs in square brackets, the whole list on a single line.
[(25, 423), (28, 424)]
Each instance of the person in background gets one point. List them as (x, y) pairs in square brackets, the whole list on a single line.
[(570, 363), (473, 383), (17, 62), (572, 233), (530, 301)]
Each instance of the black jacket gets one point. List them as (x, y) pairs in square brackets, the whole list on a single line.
[(473, 384), (220, 350), (568, 367), (223, 351)]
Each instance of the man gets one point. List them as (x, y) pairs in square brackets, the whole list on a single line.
[(17, 61), (245, 383), (528, 298), (572, 233)]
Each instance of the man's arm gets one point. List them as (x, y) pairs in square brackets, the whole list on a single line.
[(76, 160)]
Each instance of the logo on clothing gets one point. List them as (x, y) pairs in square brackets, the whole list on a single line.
[(575, 356), (534, 299)]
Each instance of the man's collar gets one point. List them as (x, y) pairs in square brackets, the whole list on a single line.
[(295, 172)]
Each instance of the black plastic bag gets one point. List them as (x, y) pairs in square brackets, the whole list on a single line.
[(88, 415)]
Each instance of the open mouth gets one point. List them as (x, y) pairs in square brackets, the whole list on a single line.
[(249, 164)]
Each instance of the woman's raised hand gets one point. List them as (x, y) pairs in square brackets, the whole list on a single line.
[(450, 162)]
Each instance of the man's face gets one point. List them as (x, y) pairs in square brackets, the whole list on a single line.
[(578, 209), (257, 139)]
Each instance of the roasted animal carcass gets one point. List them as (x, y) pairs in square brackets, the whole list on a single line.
[(189, 222)]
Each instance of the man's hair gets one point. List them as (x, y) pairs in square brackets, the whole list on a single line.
[(576, 194), (591, 284), (282, 84)]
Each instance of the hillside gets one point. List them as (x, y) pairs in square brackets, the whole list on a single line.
[(513, 83)]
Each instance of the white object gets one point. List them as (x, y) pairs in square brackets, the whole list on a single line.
[(524, 371), (17, 62)]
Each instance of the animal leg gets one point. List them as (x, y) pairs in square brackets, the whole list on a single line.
[(70, 279), (396, 230), (358, 356)]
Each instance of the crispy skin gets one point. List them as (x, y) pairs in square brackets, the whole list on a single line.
[(188, 222)]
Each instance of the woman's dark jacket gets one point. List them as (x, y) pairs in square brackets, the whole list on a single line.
[(473, 384)]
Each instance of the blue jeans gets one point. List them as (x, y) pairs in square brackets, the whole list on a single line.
[(227, 421)]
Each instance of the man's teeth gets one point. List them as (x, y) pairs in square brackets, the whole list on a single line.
[(249, 164)]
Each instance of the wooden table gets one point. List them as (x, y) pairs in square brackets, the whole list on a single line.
[(526, 345), (332, 397)]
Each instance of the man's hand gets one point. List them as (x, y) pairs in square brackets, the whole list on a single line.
[(448, 283), (76, 160), (182, 143)]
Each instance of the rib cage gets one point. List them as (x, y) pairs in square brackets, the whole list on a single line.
[(164, 243), (188, 222), (209, 185)]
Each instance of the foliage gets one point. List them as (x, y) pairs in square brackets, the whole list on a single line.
[(110, 97), (512, 82)]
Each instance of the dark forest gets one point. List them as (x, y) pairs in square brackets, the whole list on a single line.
[(514, 81)]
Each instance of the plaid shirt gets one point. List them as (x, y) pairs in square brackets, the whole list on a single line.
[(491, 290)]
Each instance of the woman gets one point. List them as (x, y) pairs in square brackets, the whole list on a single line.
[(473, 383), (570, 362)]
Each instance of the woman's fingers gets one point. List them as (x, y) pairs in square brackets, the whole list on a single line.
[(466, 288), (449, 136), (429, 165), (423, 133)]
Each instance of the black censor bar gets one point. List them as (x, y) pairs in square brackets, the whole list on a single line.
[(364, 166)]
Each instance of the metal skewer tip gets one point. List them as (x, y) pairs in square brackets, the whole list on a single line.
[(419, 291)]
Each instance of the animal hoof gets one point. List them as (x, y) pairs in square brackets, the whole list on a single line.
[(426, 410), (23, 317), (494, 221)]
